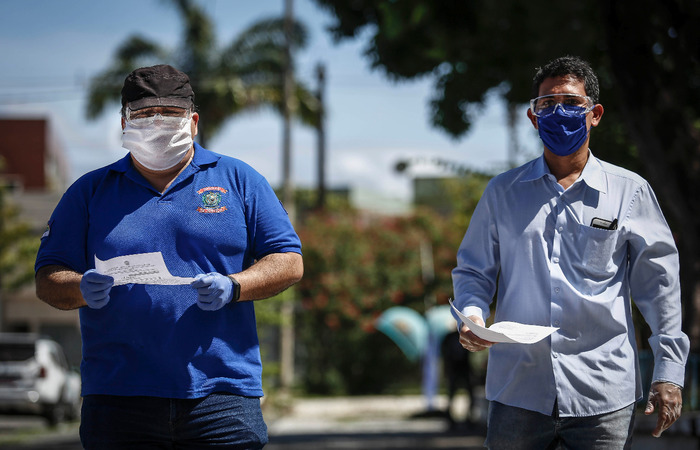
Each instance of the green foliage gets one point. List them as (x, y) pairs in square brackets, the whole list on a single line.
[(356, 267), (354, 271), (646, 54), (457, 196), (468, 48), (269, 320), (245, 75), (18, 247), (473, 48)]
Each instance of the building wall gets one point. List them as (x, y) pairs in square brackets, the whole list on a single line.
[(23, 149), (35, 170)]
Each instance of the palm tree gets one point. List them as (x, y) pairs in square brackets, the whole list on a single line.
[(246, 75)]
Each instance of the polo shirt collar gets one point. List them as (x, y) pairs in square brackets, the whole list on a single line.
[(122, 165), (204, 157)]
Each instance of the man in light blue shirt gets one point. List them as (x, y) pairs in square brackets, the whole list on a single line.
[(567, 240)]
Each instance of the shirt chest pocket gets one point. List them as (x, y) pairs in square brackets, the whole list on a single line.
[(598, 249)]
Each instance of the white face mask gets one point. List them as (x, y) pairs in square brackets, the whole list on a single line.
[(158, 143)]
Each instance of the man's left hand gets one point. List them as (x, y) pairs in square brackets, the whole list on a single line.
[(668, 399), (213, 290)]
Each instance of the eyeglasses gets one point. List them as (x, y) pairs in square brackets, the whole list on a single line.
[(573, 104), (174, 118)]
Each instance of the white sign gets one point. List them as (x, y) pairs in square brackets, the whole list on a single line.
[(142, 268)]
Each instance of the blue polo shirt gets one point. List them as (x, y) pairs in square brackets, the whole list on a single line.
[(219, 215)]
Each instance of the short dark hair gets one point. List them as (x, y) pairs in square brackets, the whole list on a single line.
[(571, 66)]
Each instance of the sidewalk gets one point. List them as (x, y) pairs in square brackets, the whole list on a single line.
[(398, 422), (386, 422), (376, 423)]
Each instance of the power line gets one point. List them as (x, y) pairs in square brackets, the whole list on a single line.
[(39, 81), (40, 96), (47, 89)]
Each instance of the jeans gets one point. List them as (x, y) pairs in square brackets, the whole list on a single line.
[(218, 420), (511, 428)]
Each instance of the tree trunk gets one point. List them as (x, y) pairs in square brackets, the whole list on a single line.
[(287, 309)]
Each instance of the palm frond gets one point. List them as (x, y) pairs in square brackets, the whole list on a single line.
[(106, 86), (246, 76)]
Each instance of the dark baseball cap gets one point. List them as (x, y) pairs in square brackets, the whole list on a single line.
[(160, 85)]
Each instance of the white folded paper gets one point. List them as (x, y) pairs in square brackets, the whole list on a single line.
[(141, 268), (510, 332)]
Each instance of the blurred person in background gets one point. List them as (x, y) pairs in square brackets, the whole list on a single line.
[(169, 366), (458, 373), (567, 241)]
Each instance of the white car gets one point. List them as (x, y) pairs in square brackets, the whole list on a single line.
[(35, 378)]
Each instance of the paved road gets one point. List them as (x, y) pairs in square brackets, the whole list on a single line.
[(371, 423), (366, 423)]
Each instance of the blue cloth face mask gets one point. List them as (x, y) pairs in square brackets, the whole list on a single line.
[(564, 130)]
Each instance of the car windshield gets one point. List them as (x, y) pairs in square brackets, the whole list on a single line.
[(16, 351)]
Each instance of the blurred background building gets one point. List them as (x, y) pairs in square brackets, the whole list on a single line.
[(34, 174)]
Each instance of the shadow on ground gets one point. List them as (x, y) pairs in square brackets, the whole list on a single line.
[(395, 440)]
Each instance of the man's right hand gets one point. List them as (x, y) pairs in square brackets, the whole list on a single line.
[(471, 341), (95, 288)]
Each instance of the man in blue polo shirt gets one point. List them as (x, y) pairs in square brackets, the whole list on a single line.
[(173, 364)]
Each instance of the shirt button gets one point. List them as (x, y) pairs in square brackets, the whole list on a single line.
[(554, 355), (561, 229), (556, 323), (555, 260), (557, 290)]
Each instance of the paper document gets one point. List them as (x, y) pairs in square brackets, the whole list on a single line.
[(142, 268), (512, 332)]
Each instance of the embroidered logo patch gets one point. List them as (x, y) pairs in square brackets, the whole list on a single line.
[(211, 199)]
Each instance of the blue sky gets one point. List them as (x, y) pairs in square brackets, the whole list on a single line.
[(51, 48)]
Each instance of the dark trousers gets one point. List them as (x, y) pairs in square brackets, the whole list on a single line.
[(218, 420)]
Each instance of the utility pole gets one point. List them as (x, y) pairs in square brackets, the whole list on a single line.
[(287, 309), (321, 136), (288, 109)]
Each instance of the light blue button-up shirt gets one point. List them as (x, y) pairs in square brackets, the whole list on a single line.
[(533, 240)]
